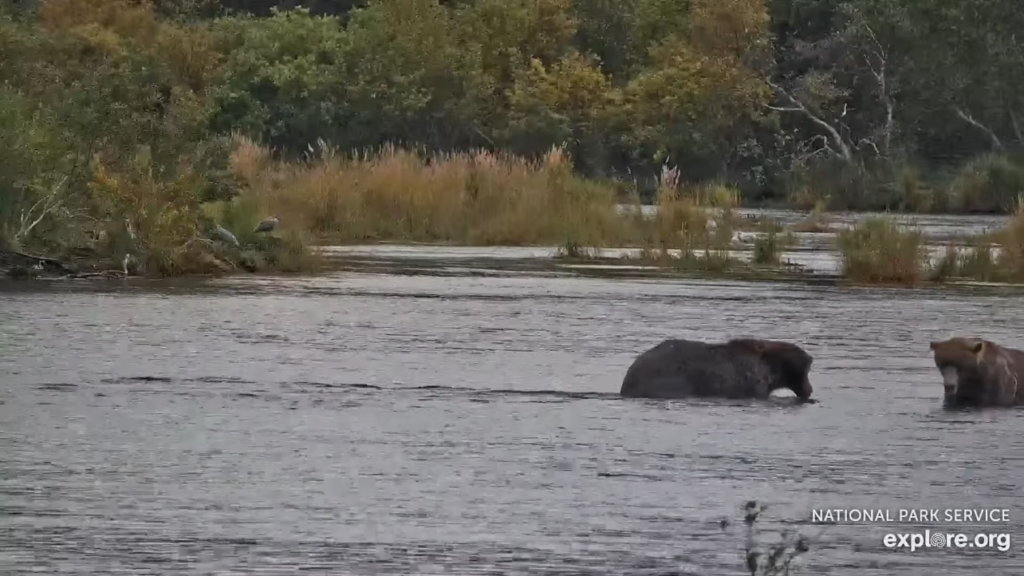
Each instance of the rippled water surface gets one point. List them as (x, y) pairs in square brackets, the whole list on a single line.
[(468, 423)]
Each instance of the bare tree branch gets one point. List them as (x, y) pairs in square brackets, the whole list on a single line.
[(879, 72), (822, 147), (1016, 127), (46, 205), (865, 142), (996, 142), (797, 106)]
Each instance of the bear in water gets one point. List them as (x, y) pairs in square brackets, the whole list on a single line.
[(977, 372), (739, 368)]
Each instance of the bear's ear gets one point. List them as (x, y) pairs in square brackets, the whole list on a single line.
[(933, 345), (977, 348)]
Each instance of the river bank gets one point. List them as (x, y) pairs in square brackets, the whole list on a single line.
[(485, 198), (496, 199), (811, 252)]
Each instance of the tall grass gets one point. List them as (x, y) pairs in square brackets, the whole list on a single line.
[(478, 198), (392, 194), (974, 261), (879, 251), (1010, 259), (815, 221), (486, 198), (768, 247), (999, 257), (990, 183), (696, 222)]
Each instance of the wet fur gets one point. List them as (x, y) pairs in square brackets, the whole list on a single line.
[(987, 374), (740, 368)]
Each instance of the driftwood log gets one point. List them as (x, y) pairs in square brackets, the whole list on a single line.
[(20, 265)]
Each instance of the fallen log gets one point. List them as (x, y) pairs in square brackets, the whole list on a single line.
[(46, 260)]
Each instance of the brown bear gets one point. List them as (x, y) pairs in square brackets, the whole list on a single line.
[(739, 368), (977, 372)]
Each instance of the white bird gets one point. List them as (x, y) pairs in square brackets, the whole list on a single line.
[(267, 225), (224, 234), (745, 238)]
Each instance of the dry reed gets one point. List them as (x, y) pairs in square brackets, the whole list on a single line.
[(392, 194)]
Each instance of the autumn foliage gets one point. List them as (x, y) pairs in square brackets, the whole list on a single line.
[(109, 107)]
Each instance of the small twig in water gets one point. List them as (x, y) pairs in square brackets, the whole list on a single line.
[(777, 559)]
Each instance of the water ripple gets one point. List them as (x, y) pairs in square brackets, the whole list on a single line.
[(388, 424)]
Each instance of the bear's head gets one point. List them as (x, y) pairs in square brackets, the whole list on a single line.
[(961, 362), (789, 364)]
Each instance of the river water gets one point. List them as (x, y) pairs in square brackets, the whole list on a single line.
[(451, 418)]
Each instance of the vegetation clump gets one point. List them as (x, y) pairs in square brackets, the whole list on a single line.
[(478, 198), (878, 250), (996, 257)]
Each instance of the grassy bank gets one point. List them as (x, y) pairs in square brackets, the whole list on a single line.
[(479, 198), (397, 195), (878, 251), (393, 194)]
